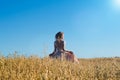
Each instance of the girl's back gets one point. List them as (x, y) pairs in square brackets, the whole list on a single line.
[(59, 45)]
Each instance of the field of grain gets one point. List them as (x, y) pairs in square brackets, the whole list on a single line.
[(35, 68)]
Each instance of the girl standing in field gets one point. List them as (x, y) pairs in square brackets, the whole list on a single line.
[(59, 45), (59, 49)]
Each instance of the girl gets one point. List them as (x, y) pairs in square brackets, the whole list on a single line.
[(59, 49), (59, 45)]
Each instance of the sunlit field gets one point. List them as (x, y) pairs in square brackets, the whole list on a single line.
[(16, 67)]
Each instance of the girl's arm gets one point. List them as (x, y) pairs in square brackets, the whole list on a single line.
[(64, 45)]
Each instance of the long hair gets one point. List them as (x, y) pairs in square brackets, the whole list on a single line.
[(59, 35)]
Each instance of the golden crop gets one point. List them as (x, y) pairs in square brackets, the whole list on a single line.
[(35, 68)]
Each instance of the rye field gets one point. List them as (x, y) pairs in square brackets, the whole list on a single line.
[(35, 68)]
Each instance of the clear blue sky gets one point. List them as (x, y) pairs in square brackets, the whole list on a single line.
[(91, 27)]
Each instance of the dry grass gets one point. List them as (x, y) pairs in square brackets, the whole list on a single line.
[(34, 68)]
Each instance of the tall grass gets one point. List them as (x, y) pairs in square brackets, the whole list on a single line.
[(34, 68)]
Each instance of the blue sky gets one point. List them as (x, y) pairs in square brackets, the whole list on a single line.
[(91, 27)]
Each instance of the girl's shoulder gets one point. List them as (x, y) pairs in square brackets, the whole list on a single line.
[(63, 41)]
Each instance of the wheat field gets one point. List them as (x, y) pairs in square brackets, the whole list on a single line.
[(35, 68)]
